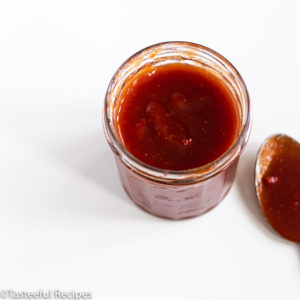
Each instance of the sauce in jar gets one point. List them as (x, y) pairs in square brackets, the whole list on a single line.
[(172, 112), (278, 185), (177, 117)]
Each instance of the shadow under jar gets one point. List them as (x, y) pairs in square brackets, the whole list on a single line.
[(188, 177)]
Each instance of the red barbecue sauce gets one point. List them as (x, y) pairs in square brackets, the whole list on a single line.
[(176, 117), (279, 187)]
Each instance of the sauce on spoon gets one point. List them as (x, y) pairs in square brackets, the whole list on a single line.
[(278, 185)]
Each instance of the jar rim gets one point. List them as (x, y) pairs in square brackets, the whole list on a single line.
[(187, 176)]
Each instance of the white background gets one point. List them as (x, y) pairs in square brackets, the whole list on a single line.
[(65, 221)]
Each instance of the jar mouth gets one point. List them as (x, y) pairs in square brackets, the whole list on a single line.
[(187, 176)]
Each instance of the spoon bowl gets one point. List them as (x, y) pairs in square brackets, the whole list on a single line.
[(277, 183)]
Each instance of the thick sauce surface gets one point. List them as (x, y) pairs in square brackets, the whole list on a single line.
[(279, 187), (177, 117)]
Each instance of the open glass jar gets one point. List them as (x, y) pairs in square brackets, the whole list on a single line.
[(185, 193)]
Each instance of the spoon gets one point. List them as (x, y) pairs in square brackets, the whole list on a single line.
[(277, 183)]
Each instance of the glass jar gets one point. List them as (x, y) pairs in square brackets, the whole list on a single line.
[(167, 193)]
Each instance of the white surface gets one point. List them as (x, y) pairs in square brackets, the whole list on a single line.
[(65, 221)]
